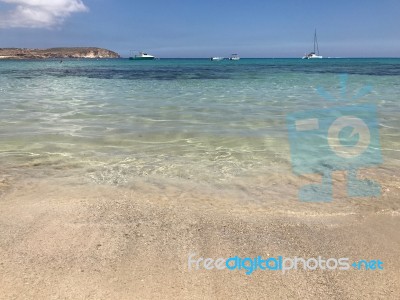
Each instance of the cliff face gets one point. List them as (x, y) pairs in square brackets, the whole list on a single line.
[(81, 52)]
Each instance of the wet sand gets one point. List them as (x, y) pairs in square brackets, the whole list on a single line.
[(69, 239)]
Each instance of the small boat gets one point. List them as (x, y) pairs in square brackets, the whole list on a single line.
[(315, 53), (142, 56), (234, 57), (216, 58)]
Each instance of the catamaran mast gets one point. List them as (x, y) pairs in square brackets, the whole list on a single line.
[(316, 42)]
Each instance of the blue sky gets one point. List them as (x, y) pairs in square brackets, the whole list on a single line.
[(194, 28)]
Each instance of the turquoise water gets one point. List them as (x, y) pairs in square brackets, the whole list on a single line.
[(115, 120)]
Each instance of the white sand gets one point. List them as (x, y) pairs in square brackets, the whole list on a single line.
[(61, 240)]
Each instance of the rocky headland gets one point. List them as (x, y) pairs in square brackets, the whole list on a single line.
[(76, 52)]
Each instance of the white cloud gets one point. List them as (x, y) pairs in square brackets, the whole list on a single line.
[(39, 13)]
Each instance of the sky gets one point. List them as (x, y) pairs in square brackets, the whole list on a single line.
[(204, 28)]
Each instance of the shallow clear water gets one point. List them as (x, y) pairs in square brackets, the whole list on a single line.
[(114, 120)]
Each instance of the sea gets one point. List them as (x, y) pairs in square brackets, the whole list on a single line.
[(214, 127)]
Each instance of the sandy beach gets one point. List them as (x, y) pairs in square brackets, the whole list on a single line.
[(63, 239), (114, 173)]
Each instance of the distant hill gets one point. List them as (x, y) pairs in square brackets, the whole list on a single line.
[(78, 52)]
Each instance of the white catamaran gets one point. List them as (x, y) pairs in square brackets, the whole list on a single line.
[(315, 53)]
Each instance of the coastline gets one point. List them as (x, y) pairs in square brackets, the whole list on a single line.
[(112, 175)]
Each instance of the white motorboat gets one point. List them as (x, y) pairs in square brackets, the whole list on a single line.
[(142, 56)]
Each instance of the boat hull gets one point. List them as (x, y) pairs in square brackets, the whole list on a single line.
[(141, 58), (312, 57)]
